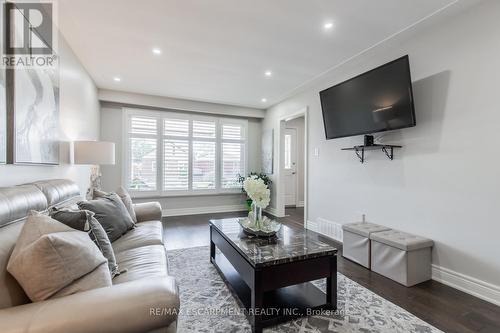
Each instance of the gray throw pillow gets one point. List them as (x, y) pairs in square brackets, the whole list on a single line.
[(84, 220), (124, 196), (111, 214)]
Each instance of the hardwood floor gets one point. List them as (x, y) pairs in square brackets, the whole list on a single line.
[(446, 308)]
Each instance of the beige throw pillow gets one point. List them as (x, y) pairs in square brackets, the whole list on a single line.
[(124, 196), (127, 201), (51, 259)]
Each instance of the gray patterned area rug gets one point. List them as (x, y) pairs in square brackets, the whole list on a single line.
[(207, 304)]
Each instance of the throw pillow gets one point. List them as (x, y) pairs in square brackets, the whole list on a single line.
[(124, 196), (111, 214), (84, 220), (51, 259)]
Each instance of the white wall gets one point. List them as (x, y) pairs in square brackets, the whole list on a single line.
[(79, 120), (444, 183), (111, 130), (298, 124)]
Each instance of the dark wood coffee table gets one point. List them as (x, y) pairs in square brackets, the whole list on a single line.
[(272, 276)]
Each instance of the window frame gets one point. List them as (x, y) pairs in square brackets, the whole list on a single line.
[(128, 113)]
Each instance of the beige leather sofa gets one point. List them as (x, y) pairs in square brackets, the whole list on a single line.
[(143, 299)]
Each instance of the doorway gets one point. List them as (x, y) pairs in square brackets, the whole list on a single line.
[(292, 187), (290, 167)]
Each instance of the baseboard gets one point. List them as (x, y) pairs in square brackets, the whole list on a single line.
[(272, 211), (300, 204), (203, 210), (481, 289)]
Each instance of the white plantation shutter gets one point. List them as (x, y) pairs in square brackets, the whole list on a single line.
[(232, 164), (143, 164), (232, 131), (175, 165), (203, 165), (203, 129), (142, 153), (176, 127), (143, 125), (232, 154), (178, 153)]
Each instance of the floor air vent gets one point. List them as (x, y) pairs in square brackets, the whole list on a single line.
[(327, 228)]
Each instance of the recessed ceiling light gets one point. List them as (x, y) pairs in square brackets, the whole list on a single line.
[(156, 50), (263, 100), (328, 25), (268, 73), (117, 79)]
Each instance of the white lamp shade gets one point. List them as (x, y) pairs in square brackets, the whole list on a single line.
[(94, 152)]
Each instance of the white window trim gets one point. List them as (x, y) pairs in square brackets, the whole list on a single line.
[(160, 115)]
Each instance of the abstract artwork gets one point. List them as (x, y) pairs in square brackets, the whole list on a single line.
[(36, 108), (3, 101), (3, 118), (267, 151), (32, 90)]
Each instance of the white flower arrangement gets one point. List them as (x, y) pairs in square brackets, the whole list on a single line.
[(257, 191)]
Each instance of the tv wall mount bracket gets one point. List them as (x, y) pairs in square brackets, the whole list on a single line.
[(360, 150)]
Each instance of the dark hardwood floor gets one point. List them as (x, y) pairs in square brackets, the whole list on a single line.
[(446, 308)]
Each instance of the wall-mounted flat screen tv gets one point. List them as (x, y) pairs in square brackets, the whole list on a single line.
[(376, 101)]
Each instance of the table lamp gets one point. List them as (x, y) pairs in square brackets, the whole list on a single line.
[(94, 153)]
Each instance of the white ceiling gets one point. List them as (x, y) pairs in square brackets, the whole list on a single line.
[(218, 50)]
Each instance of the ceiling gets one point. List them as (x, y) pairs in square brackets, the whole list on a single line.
[(219, 50)]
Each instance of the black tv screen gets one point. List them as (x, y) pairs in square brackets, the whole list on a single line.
[(376, 101)]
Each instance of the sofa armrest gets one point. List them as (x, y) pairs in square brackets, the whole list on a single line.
[(148, 211), (136, 306)]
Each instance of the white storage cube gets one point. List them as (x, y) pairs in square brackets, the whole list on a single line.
[(402, 257), (356, 241)]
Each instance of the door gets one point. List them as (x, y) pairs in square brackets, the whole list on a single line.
[(290, 166)]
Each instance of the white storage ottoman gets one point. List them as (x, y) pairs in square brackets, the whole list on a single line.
[(356, 241), (402, 257)]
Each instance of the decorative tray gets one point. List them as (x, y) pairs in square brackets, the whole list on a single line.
[(264, 228)]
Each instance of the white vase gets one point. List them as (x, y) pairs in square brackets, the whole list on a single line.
[(257, 214)]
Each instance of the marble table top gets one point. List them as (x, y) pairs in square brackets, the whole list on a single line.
[(290, 244)]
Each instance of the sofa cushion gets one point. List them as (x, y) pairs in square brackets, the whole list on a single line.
[(51, 259), (58, 191), (145, 233), (17, 201), (111, 214), (84, 220), (141, 262)]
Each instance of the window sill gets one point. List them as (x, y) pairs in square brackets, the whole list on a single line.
[(154, 195)]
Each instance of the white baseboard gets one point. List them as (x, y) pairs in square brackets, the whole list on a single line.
[(300, 204), (273, 211), (481, 289), (203, 210)]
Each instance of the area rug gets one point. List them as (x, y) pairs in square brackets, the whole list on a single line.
[(207, 304)]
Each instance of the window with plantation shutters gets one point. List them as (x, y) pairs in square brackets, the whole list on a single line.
[(172, 153)]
